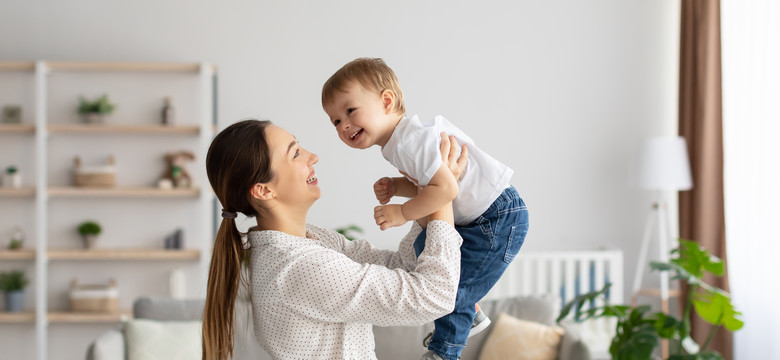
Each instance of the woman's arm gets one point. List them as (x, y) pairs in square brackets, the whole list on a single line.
[(326, 285)]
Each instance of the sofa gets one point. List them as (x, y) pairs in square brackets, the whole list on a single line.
[(391, 342)]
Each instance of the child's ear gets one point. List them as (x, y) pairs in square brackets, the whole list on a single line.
[(388, 100), (262, 192)]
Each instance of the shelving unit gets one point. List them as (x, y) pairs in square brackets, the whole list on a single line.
[(43, 131)]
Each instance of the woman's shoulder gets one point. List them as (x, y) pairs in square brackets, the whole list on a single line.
[(327, 237)]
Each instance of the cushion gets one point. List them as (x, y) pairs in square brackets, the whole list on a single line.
[(174, 340), (513, 338), (108, 346)]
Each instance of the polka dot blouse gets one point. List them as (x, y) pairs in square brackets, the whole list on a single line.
[(317, 297)]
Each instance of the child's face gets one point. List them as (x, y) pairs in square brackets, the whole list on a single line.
[(362, 118)]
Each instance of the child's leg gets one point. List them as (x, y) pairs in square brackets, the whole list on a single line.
[(490, 243)]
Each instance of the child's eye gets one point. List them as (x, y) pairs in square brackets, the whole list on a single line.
[(350, 110), (336, 122)]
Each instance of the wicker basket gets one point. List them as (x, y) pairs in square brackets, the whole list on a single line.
[(100, 298), (100, 176)]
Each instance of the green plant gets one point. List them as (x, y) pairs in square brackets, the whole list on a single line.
[(349, 231), (13, 281), (89, 228), (100, 105), (11, 170), (639, 330)]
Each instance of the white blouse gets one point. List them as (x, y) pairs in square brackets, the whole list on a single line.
[(317, 297)]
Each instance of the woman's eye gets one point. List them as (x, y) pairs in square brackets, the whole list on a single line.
[(297, 153)]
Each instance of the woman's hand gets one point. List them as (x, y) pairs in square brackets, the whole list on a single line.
[(456, 164)]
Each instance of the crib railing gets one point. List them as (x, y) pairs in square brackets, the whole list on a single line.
[(566, 274)]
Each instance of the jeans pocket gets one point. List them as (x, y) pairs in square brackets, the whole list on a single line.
[(514, 243)]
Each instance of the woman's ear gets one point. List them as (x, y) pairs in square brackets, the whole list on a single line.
[(388, 100), (262, 192)]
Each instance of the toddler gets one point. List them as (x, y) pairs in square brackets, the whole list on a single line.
[(365, 104)]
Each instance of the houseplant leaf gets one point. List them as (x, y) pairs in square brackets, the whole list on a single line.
[(716, 308), (696, 260), (580, 301)]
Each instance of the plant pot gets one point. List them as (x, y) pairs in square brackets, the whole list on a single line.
[(12, 181), (93, 118), (89, 241), (14, 301)]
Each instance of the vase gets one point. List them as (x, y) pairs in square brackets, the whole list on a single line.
[(89, 241), (14, 300), (12, 181)]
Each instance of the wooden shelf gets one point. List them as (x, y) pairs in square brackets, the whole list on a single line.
[(17, 129), (124, 66), (18, 317), (74, 317), (124, 129), (145, 192), (21, 192), (22, 254), (123, 254), (17, 65)]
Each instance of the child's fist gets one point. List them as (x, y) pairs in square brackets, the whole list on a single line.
[(388, 216), (384, 189)]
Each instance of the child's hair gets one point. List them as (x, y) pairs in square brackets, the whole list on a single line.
[(237, 159), (372, 73)]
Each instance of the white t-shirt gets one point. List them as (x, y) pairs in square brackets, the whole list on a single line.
[(414, 149), (317, 297)]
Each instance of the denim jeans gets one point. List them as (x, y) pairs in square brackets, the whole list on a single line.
[(490, 243)]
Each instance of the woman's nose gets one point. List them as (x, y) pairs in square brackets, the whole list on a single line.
[(313, 158)]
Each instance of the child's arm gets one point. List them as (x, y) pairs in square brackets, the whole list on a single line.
[(387, 187), (442, 188)]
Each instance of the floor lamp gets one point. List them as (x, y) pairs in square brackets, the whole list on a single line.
[(663, 166)]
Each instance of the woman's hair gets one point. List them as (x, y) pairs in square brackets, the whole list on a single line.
[(372, 73), (237, 159)]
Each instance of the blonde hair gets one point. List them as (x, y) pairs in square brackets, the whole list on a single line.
[(372, 73), (237, 159)]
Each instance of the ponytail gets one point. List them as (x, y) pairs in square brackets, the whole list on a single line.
[(223, 283), (237, 159)]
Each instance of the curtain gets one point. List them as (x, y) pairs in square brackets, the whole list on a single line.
[(702, 216), (751, 129)]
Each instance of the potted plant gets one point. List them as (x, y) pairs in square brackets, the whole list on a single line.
[(17, 239), (89, 231), (12, 284), (639, 330), (12, 178), (94, 111)]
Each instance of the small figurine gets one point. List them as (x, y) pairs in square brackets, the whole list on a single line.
[(175, 171), (168, 113)]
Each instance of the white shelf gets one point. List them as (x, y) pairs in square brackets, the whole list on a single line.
[(123, 254), (123, 129), (21, 192), (42, 128), (21, 254), (121, 192), (17, 129)]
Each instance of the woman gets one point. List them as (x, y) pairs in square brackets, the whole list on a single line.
[(315, 295)]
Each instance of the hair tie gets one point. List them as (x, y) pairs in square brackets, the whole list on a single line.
[(229, 215)]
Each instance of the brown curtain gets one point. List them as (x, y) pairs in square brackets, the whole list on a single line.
[(702, 216)]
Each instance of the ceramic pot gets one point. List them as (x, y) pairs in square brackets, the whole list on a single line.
[(12, 181), (14, 300), (89, 241), (93, 118)]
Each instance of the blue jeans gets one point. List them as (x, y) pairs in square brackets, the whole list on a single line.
[(490, 243)]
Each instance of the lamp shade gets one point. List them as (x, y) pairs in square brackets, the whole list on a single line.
[(663, 164)]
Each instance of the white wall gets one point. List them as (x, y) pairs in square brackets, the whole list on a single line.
[(562, 91)]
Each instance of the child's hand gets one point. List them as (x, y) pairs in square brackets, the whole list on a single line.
[(388, 216), (384, 189)]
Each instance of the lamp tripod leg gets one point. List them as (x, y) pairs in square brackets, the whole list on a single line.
[(642, 260)]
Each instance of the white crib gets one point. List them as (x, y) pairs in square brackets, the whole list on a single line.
[(566, 274)]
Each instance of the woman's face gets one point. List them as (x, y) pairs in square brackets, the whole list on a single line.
[(294, 179)]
